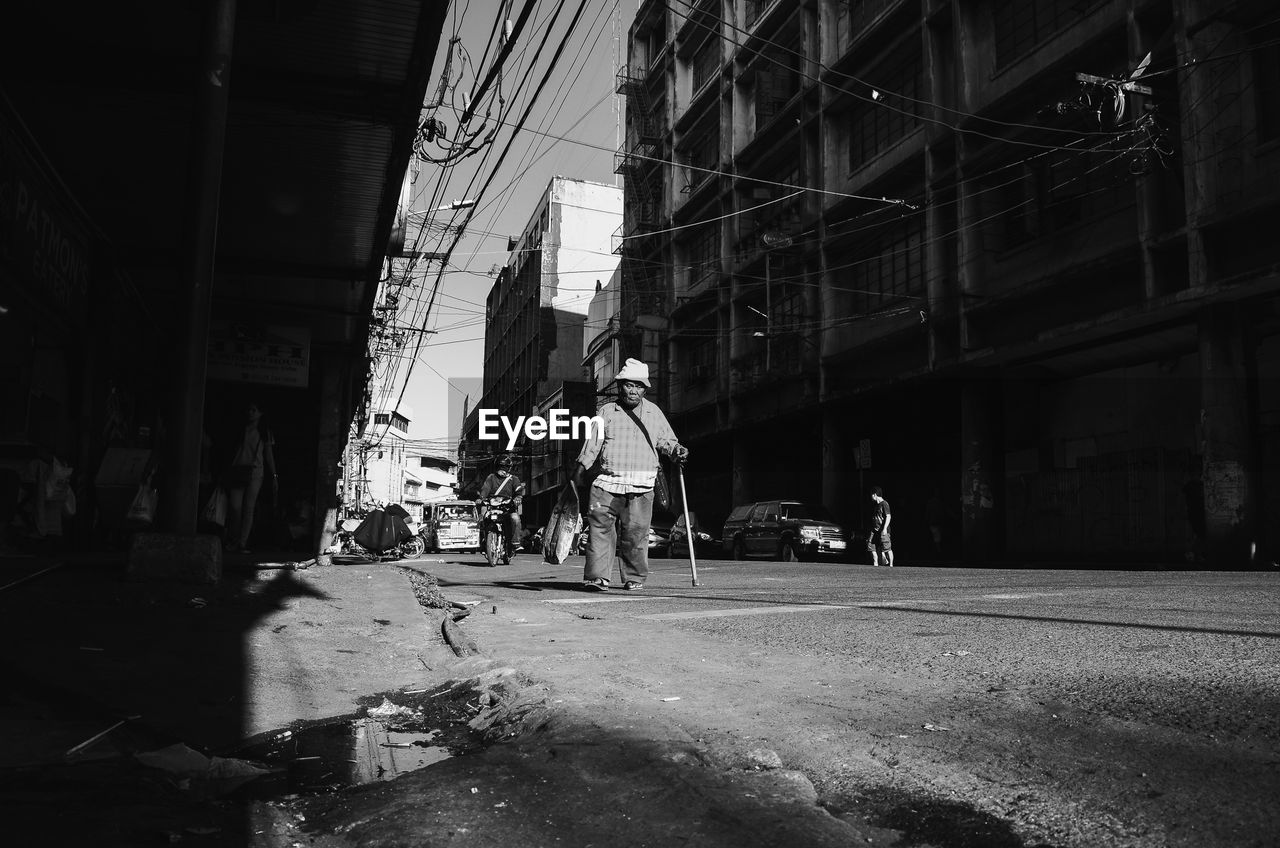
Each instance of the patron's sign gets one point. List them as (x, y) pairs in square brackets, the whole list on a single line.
[(558, 425)]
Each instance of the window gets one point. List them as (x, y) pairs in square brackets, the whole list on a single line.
[(1022, 24), (706, 62), (382, 418), (892, 269), (703, 155), (862, 13), (802, 512), (877, 125), (776, 83), (701, 360), (1044, 196), (704, 253), (757, 514), (1266, 71), (770, 512), (603, 369)]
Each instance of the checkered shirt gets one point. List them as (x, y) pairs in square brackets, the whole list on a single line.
[(627, 464)]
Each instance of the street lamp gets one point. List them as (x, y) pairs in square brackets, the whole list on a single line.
[(457, 204), (770, 239), (788, 334)]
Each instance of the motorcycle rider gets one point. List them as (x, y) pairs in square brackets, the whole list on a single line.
[(502, 483)]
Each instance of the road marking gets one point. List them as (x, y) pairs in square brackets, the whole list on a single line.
[(1019, 597), (671, 616), (593, 600)]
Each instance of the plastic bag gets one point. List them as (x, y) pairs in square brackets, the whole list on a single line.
[(143, 508), (57, 481), (215, 510), (562, 528)]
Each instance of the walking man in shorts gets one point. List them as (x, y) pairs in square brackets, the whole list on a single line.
[(879, 544)]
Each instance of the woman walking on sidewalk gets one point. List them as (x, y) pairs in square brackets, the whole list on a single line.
[(252, 466)]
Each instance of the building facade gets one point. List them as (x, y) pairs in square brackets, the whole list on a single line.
[(535, 315), (1005, 259), (600, 341), (377, 463), (216, 263)]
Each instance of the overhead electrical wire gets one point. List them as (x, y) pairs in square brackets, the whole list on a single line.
[(799, 188), (872, 100), (492, 173)]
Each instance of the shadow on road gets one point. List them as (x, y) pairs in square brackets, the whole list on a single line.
[(1128, 625)]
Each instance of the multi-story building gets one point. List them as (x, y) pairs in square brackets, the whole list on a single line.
[(1013, 252), (427, 478), (535, 315), (376, 462)]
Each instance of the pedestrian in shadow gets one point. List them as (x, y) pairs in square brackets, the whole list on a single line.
[(253, 466)]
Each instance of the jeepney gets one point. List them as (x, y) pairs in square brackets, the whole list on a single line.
[(451, 526)]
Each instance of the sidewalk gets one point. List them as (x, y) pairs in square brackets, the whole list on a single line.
[(210, 668), (213, 666)]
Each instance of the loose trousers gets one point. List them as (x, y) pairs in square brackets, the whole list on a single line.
[(618, 523)]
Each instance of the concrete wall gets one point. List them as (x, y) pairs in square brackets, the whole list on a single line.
[(579, 244)]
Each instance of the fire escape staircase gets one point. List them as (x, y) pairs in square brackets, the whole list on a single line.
[(642, 278)]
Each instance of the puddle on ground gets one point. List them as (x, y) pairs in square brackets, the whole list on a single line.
[(353, 751), (921, 820)]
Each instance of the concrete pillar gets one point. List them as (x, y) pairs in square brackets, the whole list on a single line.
[(331, 442), (1226, 366), (743, 487), (980, 457), (200, 236), (182, 555), (839, 492)]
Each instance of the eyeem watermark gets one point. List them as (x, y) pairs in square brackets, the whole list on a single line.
[(559, 425)]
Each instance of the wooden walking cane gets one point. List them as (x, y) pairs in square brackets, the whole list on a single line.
[(688, 525)]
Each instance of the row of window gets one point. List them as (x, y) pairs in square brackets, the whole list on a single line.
[(893, 110), (1043, 196), (889, 269)]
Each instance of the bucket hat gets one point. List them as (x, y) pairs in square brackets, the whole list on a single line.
[(636, 371)]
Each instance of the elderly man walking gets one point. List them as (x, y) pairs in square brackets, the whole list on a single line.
[(620, 503)]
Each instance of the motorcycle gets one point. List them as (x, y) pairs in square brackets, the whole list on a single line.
[(493, 531), (346, 545)]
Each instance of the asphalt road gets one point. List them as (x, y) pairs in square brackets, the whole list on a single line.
[(945, 706)]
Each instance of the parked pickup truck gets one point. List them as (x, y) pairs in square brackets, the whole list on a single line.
[(783, 530)]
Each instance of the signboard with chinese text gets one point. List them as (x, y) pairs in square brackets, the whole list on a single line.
[(265, 354)]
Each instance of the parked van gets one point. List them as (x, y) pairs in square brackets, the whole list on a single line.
[(451, 526)]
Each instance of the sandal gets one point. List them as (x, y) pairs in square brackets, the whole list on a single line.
[(632, 585), (599, 584)]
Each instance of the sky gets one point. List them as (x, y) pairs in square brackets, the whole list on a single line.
[(577, 102)]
